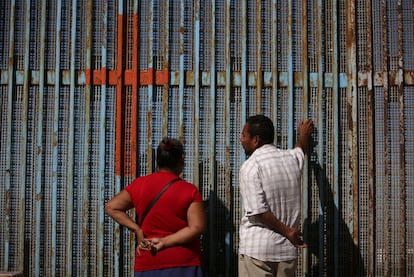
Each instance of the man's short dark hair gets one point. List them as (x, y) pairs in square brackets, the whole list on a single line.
[(262, 126)]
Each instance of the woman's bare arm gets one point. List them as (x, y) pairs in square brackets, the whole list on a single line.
[(117, 207)]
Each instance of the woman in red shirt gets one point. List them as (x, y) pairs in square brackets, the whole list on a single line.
[(168, 238)]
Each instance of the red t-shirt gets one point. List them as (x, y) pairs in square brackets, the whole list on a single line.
[(167, 216)]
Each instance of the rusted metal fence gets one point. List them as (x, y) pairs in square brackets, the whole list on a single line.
[(88, 88)]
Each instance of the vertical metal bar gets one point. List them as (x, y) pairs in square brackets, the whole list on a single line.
[(336, 115), (387, 208), (259, 71), (403, 194), (135, 91), (290, 77), (70, 146), (212, 90), (227, 115), (371, 150), (305, 103), (134, 97), (212, 146), (55, 138), (228, 194), (119, 131), (352, 118), (244, 63), (182, 72), (165, 86), (38, 199), (275, 76), (197, 85), (320, 126), (85, 162), (101, 164), (150, 84), (134, 115), (403, 203), (23, 140), (243, 45), (10, 90), (228, 93)]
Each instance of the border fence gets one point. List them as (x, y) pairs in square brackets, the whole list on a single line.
[(89, 87)]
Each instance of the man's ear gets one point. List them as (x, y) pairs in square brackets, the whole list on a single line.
[(257, 141)]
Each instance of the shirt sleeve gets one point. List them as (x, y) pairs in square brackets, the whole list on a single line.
[(197, 196), (254, 197), (298, 154), (130, 189)]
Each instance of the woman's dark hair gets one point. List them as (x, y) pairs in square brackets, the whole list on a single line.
[(169, 153), (262, 126)]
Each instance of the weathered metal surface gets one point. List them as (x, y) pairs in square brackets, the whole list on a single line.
[(305, 111), (39, 146), (162, 77), (398, 65), (7, 170), (370, 149), (197, 87), (201, 88)]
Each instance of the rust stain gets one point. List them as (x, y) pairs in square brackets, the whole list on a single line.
[(97, 77), (104, 74), (150, 76), (8, 197), (11, 61), (409, 77), (392, 78), (88, 77), (363, 78), (143, 78), (350, 121), (161, 77), (350, 28), (378, 79), (129, 78), (298, 79), (113, 77)]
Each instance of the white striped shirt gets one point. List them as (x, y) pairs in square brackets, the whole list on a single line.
[(270, 179)]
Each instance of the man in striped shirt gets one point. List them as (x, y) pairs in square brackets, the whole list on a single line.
[(270, 186)]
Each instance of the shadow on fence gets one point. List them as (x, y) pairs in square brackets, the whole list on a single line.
[(329, 238)]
